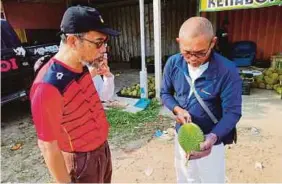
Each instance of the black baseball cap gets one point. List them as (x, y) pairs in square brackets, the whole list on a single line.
[(81, 19)]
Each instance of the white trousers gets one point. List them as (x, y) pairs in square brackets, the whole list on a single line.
[(209, 169)]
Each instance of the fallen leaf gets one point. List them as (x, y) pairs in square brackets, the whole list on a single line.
[(16, 146), (254, 131), (258, 165), (227, 179), (149, 171), (165, 132)]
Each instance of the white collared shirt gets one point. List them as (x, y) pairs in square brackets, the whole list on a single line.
[(196, 72)]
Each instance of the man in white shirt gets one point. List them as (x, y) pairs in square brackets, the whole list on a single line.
[(105, 86), (217, 82)]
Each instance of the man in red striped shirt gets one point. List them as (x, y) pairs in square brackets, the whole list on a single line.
[(71, 124)]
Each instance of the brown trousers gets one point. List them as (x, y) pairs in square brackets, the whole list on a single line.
[(90, 167)]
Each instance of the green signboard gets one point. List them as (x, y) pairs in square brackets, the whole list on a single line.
[(221, 5)]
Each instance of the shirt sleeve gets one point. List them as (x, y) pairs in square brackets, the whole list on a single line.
[(98, 83), (105, 88), (46, 109), (108, 88), (231, 105), (167, 88)]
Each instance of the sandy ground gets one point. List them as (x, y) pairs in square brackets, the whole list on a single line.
[(259, 133), (256, 158)]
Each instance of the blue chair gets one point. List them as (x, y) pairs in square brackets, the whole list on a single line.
[(243, 53)]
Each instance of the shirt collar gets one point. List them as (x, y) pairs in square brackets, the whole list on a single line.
[(210, 73)]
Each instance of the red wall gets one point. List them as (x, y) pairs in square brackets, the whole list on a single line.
[(263, 26), (34, 15)]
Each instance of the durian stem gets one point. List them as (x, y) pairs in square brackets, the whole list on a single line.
[(187, 160)]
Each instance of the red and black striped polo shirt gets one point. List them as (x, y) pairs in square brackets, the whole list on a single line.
[(66, 107)]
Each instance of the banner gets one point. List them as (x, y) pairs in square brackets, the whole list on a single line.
[(220, 5)]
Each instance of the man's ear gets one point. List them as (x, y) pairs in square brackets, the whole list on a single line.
[(108, 48), (72, 41), (214, 40), (177, 40)]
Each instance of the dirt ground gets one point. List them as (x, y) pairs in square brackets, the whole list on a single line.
[(257, 157)]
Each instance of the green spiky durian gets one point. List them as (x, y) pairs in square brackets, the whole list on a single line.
[(269, 86), (190, 136), (269, 72), (274, 75)]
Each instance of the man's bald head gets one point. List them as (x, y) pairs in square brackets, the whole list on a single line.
[(196, 40), (196, 26)]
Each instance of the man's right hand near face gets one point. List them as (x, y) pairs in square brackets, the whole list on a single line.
[(181, 115), (101, 68)]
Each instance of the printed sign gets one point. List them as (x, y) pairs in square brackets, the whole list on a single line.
[(45, 50), (20, 51), (7, 65), (220, 5)]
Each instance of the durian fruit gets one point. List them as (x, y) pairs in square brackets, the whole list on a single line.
[(270, 80), (275, 86), (123, 91), (273, 70), (279, 90), (190, 136), (134, 93), (274, 75), (269, 86), (268, 72), (280, 77)]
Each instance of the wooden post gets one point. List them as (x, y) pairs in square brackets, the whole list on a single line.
[(198, 9)]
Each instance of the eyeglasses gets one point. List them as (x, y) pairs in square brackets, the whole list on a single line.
[(197, 55), (98, 44)]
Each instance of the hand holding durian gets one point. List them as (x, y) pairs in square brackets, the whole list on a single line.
[(192, 139)]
